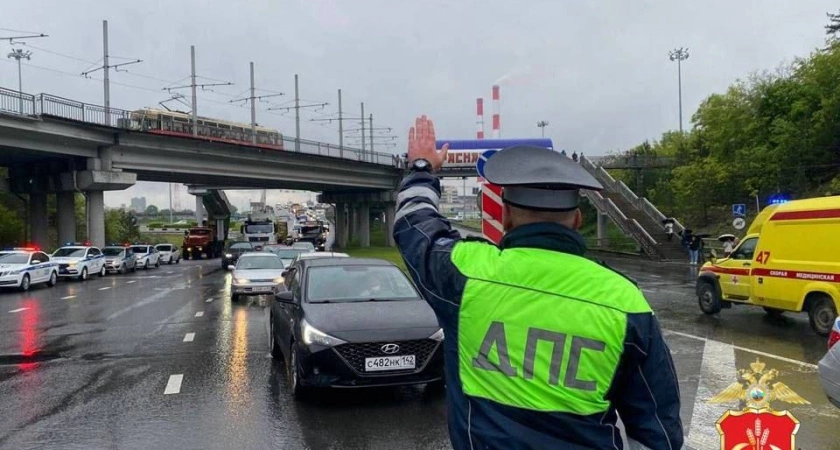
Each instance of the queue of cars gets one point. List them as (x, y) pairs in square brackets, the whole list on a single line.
[(23, 267)]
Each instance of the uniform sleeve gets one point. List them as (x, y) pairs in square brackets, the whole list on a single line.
[(646, 391), (425, 240)]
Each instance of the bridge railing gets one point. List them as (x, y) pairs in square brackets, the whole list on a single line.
[(12, 101), (627, 226), (15, 102)]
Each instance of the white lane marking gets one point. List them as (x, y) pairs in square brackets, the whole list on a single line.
[(104, 288), (68, 297), (744, 349), (174, 384), (208, 300), (189, 337), (199, 314), (132, 281), (169, 272), (717, 371), (18, 310)]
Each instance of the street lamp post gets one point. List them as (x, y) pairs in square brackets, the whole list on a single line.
[(679, 55), (542, 124), (19, 54)]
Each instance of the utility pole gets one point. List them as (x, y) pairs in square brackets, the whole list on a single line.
[(542, 124), (19, 54), (371, 137), (363, 129), (106, 72), (340, 127), (170, 203), (297, 115), (679, 55), (192, 86), (252, 98)]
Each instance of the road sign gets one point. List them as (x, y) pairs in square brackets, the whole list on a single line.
[(739, 210), (739, 223), (479, 165)]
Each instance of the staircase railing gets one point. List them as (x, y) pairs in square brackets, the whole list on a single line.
[(628, 227), (641, 203)]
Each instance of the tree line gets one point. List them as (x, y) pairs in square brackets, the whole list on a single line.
[(773, 133)]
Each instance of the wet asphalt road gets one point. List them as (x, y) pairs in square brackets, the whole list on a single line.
[(86, 366)]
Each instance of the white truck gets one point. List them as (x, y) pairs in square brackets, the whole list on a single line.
[(259, 228)]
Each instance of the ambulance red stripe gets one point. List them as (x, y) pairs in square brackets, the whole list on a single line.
[(804, 215)]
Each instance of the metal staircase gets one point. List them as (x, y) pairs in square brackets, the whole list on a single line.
[(635, 216)]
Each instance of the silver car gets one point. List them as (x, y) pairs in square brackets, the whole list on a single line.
[(830, 366), (169, 254), (256, 273), (318, 255)]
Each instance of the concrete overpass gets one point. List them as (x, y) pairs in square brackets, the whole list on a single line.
[(60, 146)]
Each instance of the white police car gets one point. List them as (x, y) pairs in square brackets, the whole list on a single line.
[(22, 267), (147, 256), (79, 261)]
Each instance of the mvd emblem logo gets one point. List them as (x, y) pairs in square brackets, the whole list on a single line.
[(757, 426)]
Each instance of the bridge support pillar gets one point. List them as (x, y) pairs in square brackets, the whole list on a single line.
[(364, 224), (199, 209), (390, 212), (65, 205), (340, 226), (603, 221), (96, 217), (38, 228), (353, 220)]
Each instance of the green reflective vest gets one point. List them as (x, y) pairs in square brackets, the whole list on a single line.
[(539, 329)]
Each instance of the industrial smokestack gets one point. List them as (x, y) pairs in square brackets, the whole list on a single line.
[(496, 117), (479, 111)]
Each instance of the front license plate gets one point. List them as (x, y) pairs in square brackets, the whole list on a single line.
[(389, 363), (260, 289)]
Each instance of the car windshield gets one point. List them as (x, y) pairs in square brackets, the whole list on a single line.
[(14, 258), (199, 232), (344, 284), (165, 248), (70, 252), (304, 245), (241, 246), (287, 253), (140, 250), (112, 251), (259, 262), (259, 228)]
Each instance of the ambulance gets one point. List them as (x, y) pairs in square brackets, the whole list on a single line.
[(788, 261)]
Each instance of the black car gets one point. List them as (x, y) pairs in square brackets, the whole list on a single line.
[(353, 322), (234, 251)]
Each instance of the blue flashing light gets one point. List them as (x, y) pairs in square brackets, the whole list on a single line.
[(778, 199)]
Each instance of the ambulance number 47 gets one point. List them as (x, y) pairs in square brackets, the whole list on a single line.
[(763, 257)]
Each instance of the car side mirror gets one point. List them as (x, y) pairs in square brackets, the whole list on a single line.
[(285, 273), (231, 267), (285, 297)]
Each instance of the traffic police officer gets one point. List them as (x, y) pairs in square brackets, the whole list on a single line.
[(544, 348)]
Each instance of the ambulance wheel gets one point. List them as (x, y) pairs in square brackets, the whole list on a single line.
[(708, 298), (25, 283), (773, 312), (821, 314)]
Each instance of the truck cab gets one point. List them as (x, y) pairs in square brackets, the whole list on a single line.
[(200, 242), (787, 262)]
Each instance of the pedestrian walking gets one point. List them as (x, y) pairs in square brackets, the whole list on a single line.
[(544, 348), (669, 231), (694, 248), (575, 157)]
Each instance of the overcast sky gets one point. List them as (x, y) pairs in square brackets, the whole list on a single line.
[(598, 71)]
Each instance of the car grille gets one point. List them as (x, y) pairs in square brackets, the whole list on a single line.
[(354, 354), (258, 239), (63, 266), (263, 281)]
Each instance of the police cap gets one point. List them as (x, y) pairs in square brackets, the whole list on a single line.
[(538, 178)]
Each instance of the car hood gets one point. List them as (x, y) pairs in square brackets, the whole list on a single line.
[(65, 259), (373, 321), (258, 274), (287, 262), (12, 266)]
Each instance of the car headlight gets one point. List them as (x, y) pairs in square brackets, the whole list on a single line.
[(71, 264), (312, 335), (228, 255), (279, 280), (438, 336), (241, 280)]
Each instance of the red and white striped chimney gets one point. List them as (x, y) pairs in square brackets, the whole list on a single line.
[(479, 112), (496, 119)]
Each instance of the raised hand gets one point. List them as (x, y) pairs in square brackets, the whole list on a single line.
[(421, 143)]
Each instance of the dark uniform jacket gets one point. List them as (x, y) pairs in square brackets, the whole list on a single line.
[(644, 390)]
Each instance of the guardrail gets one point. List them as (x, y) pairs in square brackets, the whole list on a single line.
[(14, 102)]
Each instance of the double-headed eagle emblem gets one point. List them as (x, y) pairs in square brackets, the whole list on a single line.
[(757, 388)]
